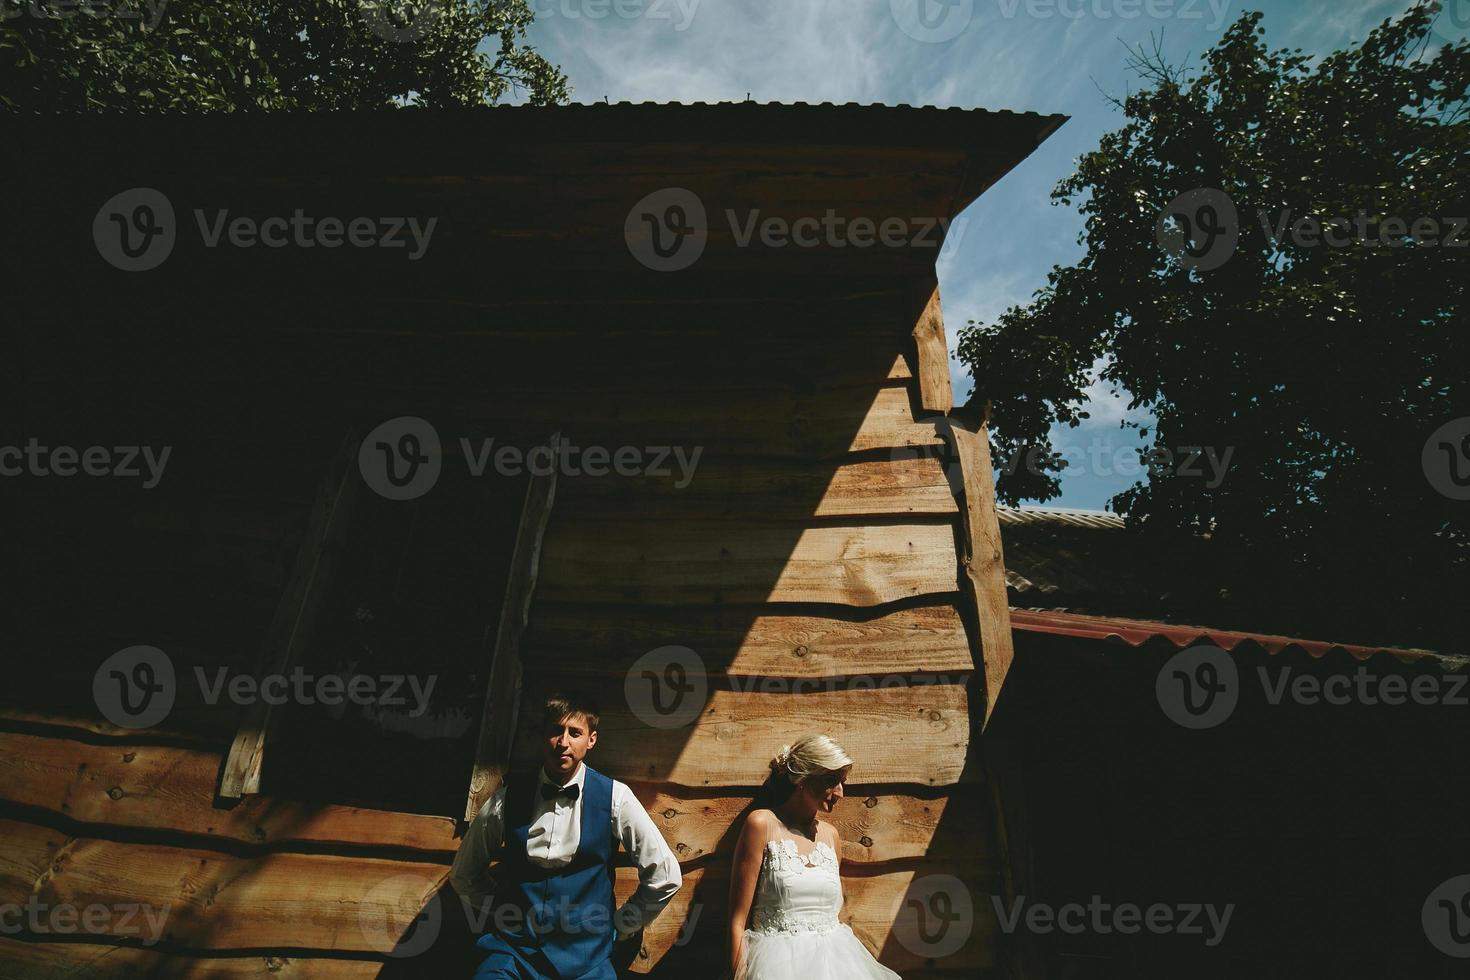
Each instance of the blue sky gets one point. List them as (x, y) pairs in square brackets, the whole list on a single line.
[(1042, 55)]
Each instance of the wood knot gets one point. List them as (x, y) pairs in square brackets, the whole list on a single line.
[(870, 802), (935, 716), (129, 756), (801, 651), (670, 813), (115, 793), (865, 840)]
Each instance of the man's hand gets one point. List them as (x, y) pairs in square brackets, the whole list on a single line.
[(626, 950)]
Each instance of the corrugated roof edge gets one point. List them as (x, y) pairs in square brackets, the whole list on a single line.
[(461, 140), (1060, 515), (1137, 632)]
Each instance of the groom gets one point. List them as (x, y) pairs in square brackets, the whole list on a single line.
[(556, 833)]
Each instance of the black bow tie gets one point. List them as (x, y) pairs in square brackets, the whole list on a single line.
[(570, 791)]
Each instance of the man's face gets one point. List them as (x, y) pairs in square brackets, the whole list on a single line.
[(567, 742)]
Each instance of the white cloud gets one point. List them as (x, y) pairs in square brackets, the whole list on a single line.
[(853, 51)]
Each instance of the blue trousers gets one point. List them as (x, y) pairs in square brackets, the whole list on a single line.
[(505, 962)]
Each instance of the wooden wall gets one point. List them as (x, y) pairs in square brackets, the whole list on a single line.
[(817, 590), (812, 564)]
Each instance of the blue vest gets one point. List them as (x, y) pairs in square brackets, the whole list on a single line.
[(566, 913)]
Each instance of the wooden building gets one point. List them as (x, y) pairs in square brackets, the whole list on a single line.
[(831, 562)]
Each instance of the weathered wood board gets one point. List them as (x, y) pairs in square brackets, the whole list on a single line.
[(703, 563), (915, 734), (606, 640), (206, 899)]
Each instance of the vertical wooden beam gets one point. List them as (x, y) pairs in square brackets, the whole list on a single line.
[(295, 615), (936, 394), (984, 561), (503, 689)]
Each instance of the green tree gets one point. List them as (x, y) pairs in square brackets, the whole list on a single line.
[(1325, 366), (237, 55)]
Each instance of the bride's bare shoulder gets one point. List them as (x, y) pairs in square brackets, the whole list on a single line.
[(755, 830), (828, 833), (760, 819)]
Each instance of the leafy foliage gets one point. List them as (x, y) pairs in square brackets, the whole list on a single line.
[(1326, 368), (237, 55)]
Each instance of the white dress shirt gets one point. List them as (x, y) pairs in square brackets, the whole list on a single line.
[(552, 840)]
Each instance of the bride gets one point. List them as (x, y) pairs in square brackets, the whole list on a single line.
[(785, 877)]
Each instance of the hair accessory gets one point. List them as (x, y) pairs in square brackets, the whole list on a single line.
[(783, 759)]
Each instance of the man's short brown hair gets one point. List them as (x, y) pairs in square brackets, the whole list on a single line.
[(569, 704)]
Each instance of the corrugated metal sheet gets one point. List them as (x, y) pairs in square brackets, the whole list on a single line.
[(1018, 516), (1079, 573), (1080, 560), (1137, 632), (487, 139)]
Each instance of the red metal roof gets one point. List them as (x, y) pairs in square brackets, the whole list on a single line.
[(1137, 632)]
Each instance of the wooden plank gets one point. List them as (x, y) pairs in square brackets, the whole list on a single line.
[(824, 424), (984, 562), (21, 960), (698, 358), (936, 393), (757, 421), (291, 627), (702, 563), (64, 695), (161, 788), (203, 899), (906, 735), (745, 489), (694, 309), (503, 689), (202, 728), (876, 824), (688, 938), (605, 640)]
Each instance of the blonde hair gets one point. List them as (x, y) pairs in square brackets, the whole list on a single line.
[(810, 755)]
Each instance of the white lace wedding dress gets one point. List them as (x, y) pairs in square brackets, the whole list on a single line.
[(794, 932)]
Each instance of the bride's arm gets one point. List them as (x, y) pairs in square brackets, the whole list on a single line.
[(745, 868)]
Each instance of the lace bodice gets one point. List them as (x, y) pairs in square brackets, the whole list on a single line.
[(792, 895)]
